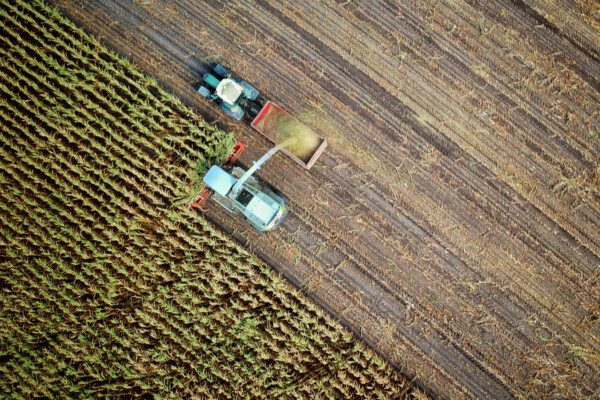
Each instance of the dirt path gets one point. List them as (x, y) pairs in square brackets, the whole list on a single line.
[(454, 220)]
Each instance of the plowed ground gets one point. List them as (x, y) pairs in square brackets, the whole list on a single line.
[(454, 221)]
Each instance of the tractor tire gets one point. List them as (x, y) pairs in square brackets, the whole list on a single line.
[(221, 71), (254, 109), (204, 91)]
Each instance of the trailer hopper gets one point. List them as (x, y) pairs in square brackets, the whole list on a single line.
[(279, 126)]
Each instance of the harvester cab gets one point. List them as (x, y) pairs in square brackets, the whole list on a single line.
[(236, 190), (234, 187), (261, 206)]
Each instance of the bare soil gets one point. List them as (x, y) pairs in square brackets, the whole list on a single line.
[(454, 220)]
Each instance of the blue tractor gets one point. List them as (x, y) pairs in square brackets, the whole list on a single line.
[(235, 96)]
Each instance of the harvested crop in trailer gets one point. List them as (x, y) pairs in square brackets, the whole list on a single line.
[(298, 138), (303, 141)]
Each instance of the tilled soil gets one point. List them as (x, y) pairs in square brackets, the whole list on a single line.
[(453, 222)]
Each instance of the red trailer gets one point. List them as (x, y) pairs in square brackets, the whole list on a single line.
[(269, 123)]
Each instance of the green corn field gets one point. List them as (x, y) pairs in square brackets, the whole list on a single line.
[(110, 285)]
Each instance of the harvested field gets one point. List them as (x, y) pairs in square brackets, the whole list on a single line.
[(454, 220), (108, 291)]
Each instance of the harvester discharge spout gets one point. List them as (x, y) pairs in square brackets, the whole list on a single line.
[(257, 164)]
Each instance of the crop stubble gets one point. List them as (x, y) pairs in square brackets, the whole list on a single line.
[(106, 289), (454, 220)]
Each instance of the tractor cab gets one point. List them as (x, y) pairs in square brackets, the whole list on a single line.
[(235, 96)]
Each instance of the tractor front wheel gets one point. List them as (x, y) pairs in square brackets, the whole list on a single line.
[(204, 91)]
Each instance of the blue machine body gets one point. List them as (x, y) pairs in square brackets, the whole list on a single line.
[(219, 180), (261, 206), (236, 97)]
